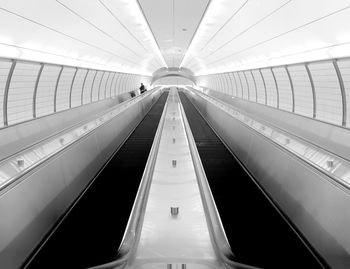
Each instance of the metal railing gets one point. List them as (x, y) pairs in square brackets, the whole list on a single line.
[(217, 232)]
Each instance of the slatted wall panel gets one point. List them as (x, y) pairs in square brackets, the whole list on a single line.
[(88, 86), (303, 96), (344, 67), (5, 66), (284, 88), (251, 86), (260, 87), (328, 95), (78, 87), (46, 90), (271, 91), (63, 88), (20, 98)]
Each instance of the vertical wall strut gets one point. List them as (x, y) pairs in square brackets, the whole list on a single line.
[(342, 89), (36, 89)]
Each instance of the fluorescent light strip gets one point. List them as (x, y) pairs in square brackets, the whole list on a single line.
[(150, 33), (190, 47)]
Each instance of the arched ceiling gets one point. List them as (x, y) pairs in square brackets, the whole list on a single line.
[(205, 36)]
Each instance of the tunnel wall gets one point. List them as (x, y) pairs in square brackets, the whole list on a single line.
[(316, 205), (29, 90), (34, 203), (318, 90)]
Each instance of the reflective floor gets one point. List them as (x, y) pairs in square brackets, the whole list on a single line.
[(174, 239)]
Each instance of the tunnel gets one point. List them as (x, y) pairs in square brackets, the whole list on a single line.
[(202, 134)]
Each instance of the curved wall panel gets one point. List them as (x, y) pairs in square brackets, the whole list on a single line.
[(319, 89)]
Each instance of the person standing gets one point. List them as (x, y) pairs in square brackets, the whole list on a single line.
[(142, 88)]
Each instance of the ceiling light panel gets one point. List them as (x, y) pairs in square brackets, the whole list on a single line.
[(83, 33), (266, 33)]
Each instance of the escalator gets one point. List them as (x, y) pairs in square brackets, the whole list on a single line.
[(91, 233), (257, 232)]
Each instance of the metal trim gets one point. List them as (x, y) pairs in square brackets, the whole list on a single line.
[(83, 86), (306, 65), (6, 90), (56, 88), (92, 86), (277, 90), (109, 74), (245, 77), (71, 87), (256, 88), (36, 89), (99, 86), (291, 87), (263, 79), (342, 90), (110, 88)]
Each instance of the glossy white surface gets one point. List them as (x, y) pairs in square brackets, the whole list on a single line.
[(167, 239)]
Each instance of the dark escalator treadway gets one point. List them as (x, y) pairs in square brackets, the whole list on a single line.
[(92, 231), (257, 233)]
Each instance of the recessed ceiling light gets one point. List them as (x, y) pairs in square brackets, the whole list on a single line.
[(184, 29)]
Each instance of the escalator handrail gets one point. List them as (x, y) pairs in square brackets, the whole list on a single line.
[(134, 226), (216, 230)]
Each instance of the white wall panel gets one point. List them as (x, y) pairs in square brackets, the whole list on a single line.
[(96, 86), (251, 86), (64, 87), (102, 90), (233, 84), (20, 98), (284, 88), (344, 67), (5, 66), (260, 86), (303, 96), (109, 84), (328, 95), (245, 89), (88, 86), (78, 87), (46, 90), (239, 85), (271, 91), (115, 84)]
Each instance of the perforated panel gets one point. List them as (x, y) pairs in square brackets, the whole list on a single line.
[(245, 89), (238, 85), (284, 88), (63, 89), (328, 95), (96, 85), (78, 87), (251, 86), (46, 90), (344, 67), (227, 84), (87, 88), (20, 98), (233, 84), (271, 91), (302, 90), (109, 84), (115, 84), (4, 72), (260, 87), (102, 90)]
